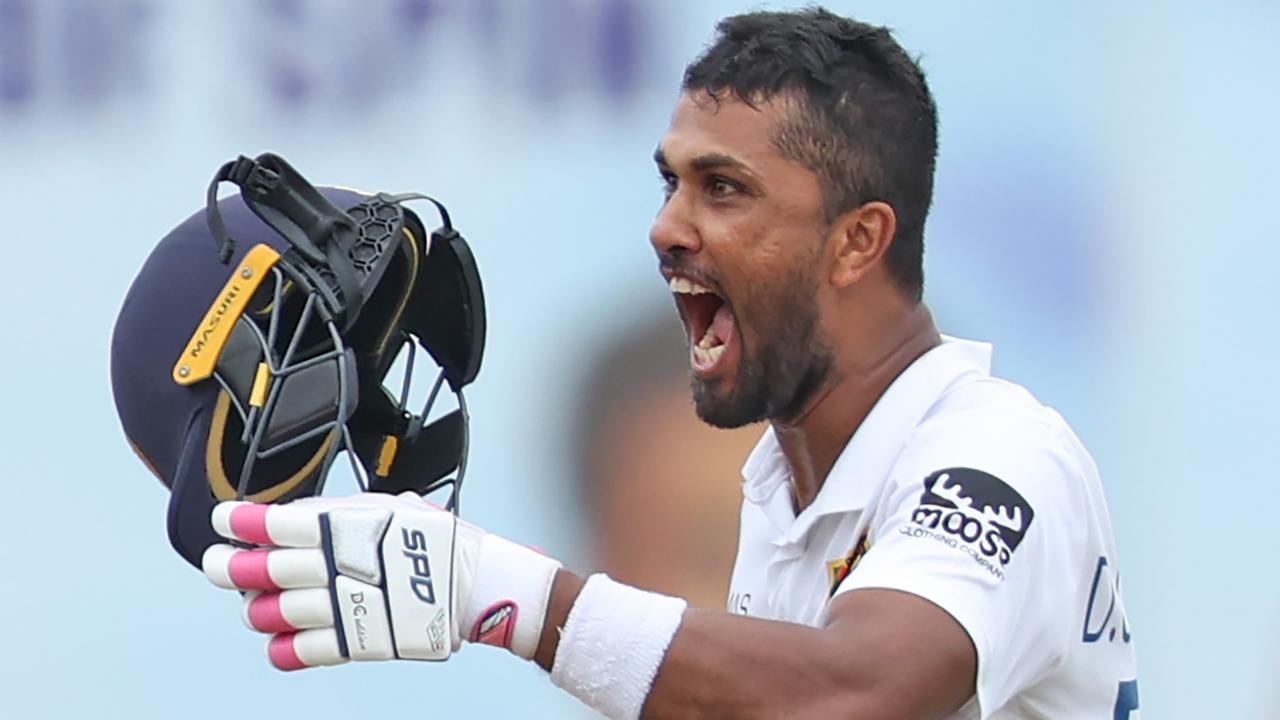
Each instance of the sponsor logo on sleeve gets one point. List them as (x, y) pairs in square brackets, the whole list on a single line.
[(974, 512)]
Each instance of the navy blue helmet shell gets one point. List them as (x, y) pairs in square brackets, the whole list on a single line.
[(251, 349)]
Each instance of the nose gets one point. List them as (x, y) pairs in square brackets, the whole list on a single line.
[(672, 233)]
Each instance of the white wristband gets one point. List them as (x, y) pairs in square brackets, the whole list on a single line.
[(612, 644)]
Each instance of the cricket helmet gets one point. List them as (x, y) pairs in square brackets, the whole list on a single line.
[(252, 348)]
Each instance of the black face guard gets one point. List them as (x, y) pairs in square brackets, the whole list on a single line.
[(300, 341)]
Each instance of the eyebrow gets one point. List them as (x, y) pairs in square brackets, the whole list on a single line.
[(703, 163)]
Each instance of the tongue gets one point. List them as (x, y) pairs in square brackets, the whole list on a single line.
[(722, 324)]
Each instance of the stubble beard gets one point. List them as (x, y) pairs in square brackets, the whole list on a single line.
[(791, 365)]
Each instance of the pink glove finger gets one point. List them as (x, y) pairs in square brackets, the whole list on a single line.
[(304, 649), (295, 524), (291, 525), (288, 611), (235, 569)]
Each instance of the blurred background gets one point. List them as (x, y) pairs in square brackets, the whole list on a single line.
[(1105, 214)]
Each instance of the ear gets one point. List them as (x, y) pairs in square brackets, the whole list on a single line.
[(859, 238)]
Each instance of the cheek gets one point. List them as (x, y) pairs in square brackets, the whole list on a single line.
[(758, 314), (740, 259), (780, 298), (763, 267)]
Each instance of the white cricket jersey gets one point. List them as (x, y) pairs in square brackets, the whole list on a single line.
[(963, 489)]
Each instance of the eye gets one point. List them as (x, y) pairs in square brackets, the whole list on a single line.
[(722, 187), (668, 183)]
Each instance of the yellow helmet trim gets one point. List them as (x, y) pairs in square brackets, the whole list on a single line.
[(201, 354)]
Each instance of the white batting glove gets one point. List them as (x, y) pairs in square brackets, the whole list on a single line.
[(403, 578)]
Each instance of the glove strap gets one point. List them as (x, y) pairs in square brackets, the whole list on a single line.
[(509, 596)]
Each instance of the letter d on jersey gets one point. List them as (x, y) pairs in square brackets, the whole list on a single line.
[(414, 544)]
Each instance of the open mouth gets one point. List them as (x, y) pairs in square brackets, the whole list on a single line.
[(710, 322)]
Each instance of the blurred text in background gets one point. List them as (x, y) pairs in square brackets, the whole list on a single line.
[(1102, 214)]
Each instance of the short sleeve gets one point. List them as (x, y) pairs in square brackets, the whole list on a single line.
[(985, 520)]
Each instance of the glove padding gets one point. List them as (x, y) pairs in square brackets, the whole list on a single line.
[(405, 578)]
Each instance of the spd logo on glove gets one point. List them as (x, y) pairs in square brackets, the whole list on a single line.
[(415, 544)]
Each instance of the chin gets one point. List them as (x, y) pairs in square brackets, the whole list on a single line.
[(723, 410), (723, 421)]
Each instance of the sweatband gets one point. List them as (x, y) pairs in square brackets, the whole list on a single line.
[(612, 644)]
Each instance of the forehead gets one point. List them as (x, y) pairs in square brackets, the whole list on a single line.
[(702, 125)]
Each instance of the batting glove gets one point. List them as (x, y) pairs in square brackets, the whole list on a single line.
[(376, 577)]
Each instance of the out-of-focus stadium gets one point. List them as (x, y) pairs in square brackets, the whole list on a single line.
[(1104, 214)]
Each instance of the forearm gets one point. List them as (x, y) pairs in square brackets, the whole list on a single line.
[(731, 666), (722, 665)]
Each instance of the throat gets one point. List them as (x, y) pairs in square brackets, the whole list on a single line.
[(813, 438), (809, 465)]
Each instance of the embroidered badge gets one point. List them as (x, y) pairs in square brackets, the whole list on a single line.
[(838, 570)]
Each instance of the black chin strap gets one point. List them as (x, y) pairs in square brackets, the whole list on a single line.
[(320, 233), (245, 174), (405, 197)]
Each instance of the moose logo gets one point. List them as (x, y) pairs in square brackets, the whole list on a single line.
[(975, 510)]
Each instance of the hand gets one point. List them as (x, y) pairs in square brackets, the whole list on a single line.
[(404, 578)]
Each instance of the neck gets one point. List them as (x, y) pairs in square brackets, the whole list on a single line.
[(814, 439)]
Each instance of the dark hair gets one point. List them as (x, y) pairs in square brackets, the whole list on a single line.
[(864, 120)]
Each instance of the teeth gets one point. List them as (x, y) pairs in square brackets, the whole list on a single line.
[(708, 339), (685, 286), (706, 356)]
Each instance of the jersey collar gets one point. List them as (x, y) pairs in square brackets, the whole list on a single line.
[(863, 466)]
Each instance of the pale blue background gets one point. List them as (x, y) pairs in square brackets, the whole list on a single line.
[(1105, 213)]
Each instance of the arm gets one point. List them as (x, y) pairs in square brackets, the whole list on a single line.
[(364, 578), (882, 654)]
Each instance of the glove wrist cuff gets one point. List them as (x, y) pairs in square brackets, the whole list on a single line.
[(509, 596)]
